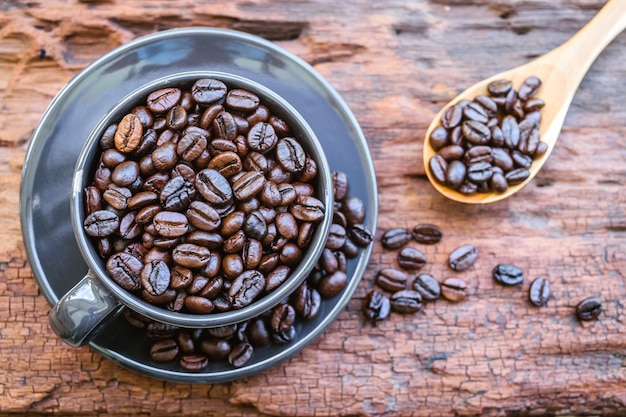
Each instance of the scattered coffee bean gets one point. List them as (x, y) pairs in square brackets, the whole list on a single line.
[(411, 258), (391, 279), (376, 306), (539, 292), (427, 286), (463, 257), (453, 289), (427, 234), (395, 238), (406, 302), (589, 309), (509, 275)]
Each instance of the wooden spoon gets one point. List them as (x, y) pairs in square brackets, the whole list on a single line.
[(561, 72)]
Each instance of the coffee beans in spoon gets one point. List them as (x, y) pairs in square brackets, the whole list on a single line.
[(489, 143), (202, 200)]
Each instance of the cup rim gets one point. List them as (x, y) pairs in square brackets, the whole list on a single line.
[(298, 274)]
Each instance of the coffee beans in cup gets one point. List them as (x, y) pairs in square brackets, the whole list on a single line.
[(202, 200)]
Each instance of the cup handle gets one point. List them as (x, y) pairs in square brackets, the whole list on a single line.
[(85, 310)]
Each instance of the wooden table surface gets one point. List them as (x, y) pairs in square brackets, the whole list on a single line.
[(396, 63)]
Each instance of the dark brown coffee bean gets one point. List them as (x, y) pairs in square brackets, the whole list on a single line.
[(161, 101), (235, 242), (290, 154), (475, 111), (391, 279), (376, 306), (190, 256), (198, 305), (360, 235), (306, 301), (308, 209), (215, 348), (589, 309), (246, 288), (533, 105), (427, 233), (248, 185), (125, 270), (475, 132), (452, 152), (499, 88), (258, 333), (225, 127), (332, 284), (240, 354), (117, 197), (517, 176), (107, 139), (290, 254), (452, 116), (456, 173), (128, 134), (509, 275), (155, 277), (170, 223), (286, 225), (129, 228), (101, 223), (192, 144), (439, 138), (395, 238), (454, 289), (203, 216), (438, 168), (499, 183), (337, 236), (164, 157), (208, 90), (529, 88), (406, 302), (411, 258), (240, 99), (539, 292), (427, 286), (262, 137), (226, 163), (283, 317), (463, 257), (176, 118), (164, 350), (194, 362), (479, 172), (213, 187)]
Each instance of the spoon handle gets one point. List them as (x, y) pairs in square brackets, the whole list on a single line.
[(576, 55)]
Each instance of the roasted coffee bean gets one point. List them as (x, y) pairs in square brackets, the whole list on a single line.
[(411, 258), (277, 277), (391, 279), (509, 275), (258, 333), (208, 90), (190, 256), (215, 348), (125, 270), (452, 116), (452, 152), (101, 223), (163, 100), (290, 254), (155, 277), (117, 197), (213, 187), (438, 138), (177, 194), (438, 167), (290, 154), (476, 132), (128, 134), (463, 257), (453, 289), (246, 288), (332, 284), (225, 127), (517, 176), (406, 302), (306, 301), (203, 216), (252, 253), (262, 137), (479, 172), (360, 235), (376, 306), (235, 242), (226, 163), (529, 88), (498, 183), (475, 111), (248, 185), (164, 350), (308, 209), (354, 210), (427, 233), (283, 317), (456, 173), (589, 309), (340, 185), (427, 286), (170, 223), (284, 336), (198, 305), (499, 88), (232, 265), (194, 362), (337, 236), (396, 238), (539, 292)]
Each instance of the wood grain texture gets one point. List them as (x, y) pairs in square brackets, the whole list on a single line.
[(395, 63)]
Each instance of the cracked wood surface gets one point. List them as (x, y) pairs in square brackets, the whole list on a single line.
[(396, 63)]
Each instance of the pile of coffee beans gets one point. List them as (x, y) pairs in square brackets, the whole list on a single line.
[(489, 143), (195, 349), (202, 200)]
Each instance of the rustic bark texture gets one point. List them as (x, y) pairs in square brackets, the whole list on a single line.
[(396, 63)]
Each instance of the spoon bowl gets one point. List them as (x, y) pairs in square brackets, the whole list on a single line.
[(561, 72)]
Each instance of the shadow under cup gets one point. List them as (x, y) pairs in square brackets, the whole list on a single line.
[(103, 289)]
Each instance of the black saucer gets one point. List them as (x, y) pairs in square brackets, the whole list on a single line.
[(48, 168)]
